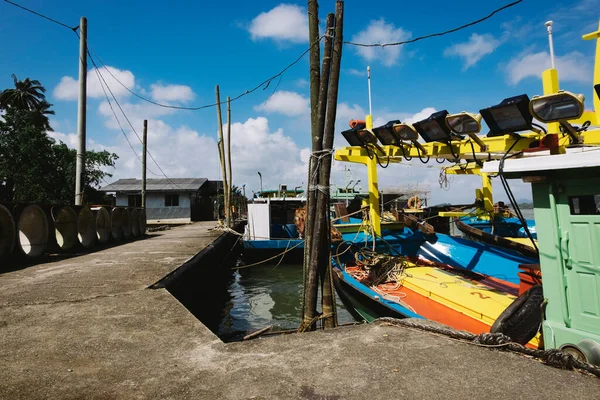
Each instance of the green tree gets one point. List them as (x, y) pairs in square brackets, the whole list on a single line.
[(33, 167)]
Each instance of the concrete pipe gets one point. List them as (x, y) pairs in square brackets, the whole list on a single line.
[(86, 227), (103, 224), (32, 229), (134, 221), (143, 222), (7, 233), (116, 223), (126, 223), (65, 227)]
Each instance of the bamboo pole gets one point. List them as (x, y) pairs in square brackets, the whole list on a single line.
[(310, 284), (327, 290), (319, 256), (229, 177), (222, 152)]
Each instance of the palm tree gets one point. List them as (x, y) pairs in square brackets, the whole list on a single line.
[(40, 115), (27, 95)]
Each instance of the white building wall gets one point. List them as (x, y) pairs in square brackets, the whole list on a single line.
[(156, 209)]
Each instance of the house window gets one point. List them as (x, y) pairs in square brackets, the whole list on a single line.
[(171, 200), (135, 200)]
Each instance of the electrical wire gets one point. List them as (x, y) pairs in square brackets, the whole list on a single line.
[(420, 158), (265, 83), (434, 34), (101, 77), (74, 28)]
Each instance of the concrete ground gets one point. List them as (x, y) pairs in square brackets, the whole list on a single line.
[(88, 327)]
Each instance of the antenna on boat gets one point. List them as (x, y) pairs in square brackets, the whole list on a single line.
[(369, 84), (548, 25)]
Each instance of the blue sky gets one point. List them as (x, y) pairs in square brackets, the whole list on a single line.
[(176, 52)]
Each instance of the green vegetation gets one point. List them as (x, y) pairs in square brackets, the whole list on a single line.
[(33, 167)]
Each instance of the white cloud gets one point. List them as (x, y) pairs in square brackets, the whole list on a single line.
[(574, 67), (356, 72), (167, 93), (68, 87), (291, 104), (301, 83), (286, 22), (70, 139), (378, 31), (474, 49)]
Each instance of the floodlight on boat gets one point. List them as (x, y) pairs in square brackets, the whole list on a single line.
[(434, 128), (557, 107), (597, 88), (408, 132), (465, 123), (361, 136), (510, 116), (386, 134)]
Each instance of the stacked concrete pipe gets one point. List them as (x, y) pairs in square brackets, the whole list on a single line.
[(7, 233), (86, 226), (103, 224), (143, 222), (32, 230), (116, 223), (134, 220), (126, 223), (62, 229)]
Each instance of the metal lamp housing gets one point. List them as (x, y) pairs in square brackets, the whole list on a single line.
[(511, 115), (597, 88), (406, 132), (464, 123), (352, 137), (434, 128), (386, 134), (557, 107)]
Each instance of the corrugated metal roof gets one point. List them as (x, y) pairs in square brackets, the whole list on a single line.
[(156, 185)]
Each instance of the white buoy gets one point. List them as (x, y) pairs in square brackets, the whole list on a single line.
[(7, 232), (32, 228), (65, 227), (103, 224), (86, 227)]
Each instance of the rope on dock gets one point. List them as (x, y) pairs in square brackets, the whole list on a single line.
[(552, 357)]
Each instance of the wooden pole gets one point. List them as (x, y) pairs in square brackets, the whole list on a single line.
[(144, 153), (222, 152), (81, 113), (327, 289), (319, 248), (310, 284), (230, 188)]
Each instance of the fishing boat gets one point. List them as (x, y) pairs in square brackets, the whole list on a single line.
[(563, 169), (271, 230)]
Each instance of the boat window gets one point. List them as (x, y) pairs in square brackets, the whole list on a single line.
[(171, 200), (585, 204)]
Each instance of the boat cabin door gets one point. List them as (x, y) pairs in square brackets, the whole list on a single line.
[(578, 217)]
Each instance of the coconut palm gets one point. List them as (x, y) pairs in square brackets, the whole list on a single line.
[(27, 95)]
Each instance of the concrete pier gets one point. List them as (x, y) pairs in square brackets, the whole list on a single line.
[(89, 327)]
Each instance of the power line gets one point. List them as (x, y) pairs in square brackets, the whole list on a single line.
[(119, 122), (434, 34), (173, 184), (265, 83), (74, 29)]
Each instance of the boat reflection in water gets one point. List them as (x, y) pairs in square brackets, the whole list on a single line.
[(265, 295)]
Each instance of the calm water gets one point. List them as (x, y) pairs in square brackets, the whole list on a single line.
[(265, 295)]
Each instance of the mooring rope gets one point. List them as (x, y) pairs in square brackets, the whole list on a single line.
[(552, 357)]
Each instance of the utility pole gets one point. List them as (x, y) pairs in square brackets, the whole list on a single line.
[(222, 157), (230, 188), (81, 116), (144, 152)]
